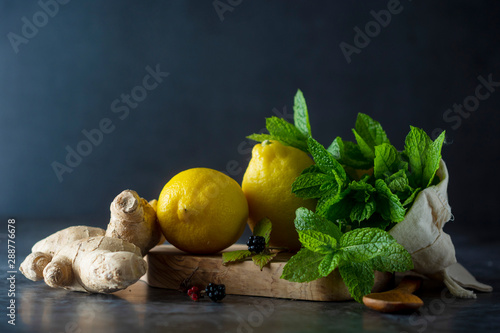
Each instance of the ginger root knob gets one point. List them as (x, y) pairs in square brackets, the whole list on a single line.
[(34, 264), (58, 274), (134, 220)]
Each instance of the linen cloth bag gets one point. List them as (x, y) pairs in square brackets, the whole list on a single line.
[(432, 250)]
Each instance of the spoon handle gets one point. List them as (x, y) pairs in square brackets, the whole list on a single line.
[(409, 284)]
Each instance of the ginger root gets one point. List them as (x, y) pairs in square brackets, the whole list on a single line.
[(81, 258), (133, 219), (96, 264), (89, 259), (43, 251)]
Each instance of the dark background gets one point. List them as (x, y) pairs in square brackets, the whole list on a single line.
[(226, 76)]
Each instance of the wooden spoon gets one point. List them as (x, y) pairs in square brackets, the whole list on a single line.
[(398, 299)]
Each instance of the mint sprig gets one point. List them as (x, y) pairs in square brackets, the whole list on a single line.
[(282, 131), (356, 253), (294, 135), (263, 229)]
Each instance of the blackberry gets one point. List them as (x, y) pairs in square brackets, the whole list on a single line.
[(215, 292), (256, 244)]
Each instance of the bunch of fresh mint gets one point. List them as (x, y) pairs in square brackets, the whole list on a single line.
[(363, 188), (367, 183)]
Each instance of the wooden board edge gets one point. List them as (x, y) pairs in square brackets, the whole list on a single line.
[(170, 268)]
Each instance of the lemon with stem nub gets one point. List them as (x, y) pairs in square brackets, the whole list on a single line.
[(202, 210), (267, 185)]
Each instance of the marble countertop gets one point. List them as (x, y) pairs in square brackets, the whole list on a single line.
[(140, 308)]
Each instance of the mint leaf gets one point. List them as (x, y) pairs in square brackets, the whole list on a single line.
[(317, 241), (370, 130), (336, 148), (311, 185), (363, 244), (398, 184), (234, 256), (362, 211), (349, 154), (361, 189), (423, 156), (262, 259), (387, 160), (358, 277), (329, 263), (362, 202), (263, 228), (331, 186), (300, 114), (282, 131), (398, 260), (303, 267), (325, 161), (354, 157), (367, 150), (260, 137), (412, 197), (416, 143), (311, 169), (376, 221), (286, 133), (364, 250), (368, 133), (335, 206), (388, 204), (307, 220), (398, 181), (432, 159)]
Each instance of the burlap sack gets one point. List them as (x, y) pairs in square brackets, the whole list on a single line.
[(432, 251)]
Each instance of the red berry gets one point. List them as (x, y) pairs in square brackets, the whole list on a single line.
[(194, 293)]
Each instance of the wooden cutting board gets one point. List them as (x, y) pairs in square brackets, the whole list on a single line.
[(171, 268)]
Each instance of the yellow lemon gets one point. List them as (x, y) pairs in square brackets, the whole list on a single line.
[(267, 185), (202, 211)]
